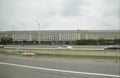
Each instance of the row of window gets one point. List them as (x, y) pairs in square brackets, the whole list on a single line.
[(45, 37), (59, 36)]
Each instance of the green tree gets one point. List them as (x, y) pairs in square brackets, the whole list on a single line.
[(101, 41), (117, 41), (6, 40), (86, 42)]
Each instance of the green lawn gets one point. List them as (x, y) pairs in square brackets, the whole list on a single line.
[(88, 50), (55, 46), (72, 52)]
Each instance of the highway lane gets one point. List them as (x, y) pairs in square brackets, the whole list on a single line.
[(22, 67)]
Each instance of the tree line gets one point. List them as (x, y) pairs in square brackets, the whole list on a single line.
[(98, 42)]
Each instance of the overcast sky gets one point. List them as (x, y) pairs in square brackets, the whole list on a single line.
[(59, 14)]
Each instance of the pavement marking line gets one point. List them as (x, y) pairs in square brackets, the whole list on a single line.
[(58, 70)]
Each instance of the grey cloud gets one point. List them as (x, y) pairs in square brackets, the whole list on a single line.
[(26, 8), (15, 14), (112, 8), (72, 8), (87, 14)]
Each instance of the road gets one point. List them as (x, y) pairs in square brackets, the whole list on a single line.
[(24, 67)]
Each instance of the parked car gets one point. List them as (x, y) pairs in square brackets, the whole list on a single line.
[(65, 47), (112, 47), (1, 46)]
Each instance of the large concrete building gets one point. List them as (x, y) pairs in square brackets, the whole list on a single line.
[(61, 35)]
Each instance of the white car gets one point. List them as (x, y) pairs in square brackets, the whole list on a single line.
[(65, 47), (1, 46)]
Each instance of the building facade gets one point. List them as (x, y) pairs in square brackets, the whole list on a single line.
[(60, 35)]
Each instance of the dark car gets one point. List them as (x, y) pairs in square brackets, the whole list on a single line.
[(112, 48)]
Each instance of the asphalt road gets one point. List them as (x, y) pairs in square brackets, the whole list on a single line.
[(23, 67)]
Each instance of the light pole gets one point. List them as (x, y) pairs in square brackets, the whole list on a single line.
[(38, 24), (38, 31)]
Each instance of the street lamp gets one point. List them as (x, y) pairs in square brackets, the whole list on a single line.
[(38, 31), (38, 24)]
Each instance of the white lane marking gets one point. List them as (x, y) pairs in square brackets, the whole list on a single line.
[(58, 70)]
